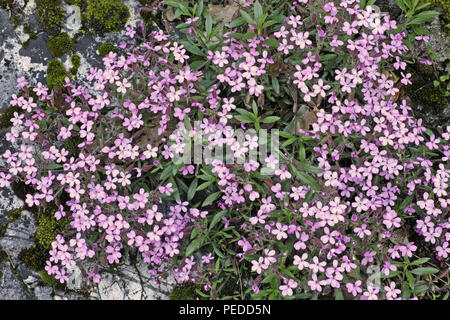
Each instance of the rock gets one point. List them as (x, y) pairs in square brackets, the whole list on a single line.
[(132, 282), (72, 19), (19, 234), (11, 288), (439, 40), (43, 293), (389, 6), (75, 281)]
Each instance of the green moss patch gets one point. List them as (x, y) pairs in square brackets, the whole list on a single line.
[(60, 44), (185, 291), (34, 257), (56, 73), (76, 62), (50, 14), (106, 15), (105, 48), (5, 117)]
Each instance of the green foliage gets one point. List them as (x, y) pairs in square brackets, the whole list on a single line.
[(60, 44), (34, 257), (105, 48), (15, 214), (48, 279), (76, 61), (424, 92), (48, 228), (56, 73), (73, 2), (32, 35), (71, 145), (185, 291), (5, 117), (106, 15), (50, 14)]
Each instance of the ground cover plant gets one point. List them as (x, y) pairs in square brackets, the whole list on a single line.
[(350, 203)]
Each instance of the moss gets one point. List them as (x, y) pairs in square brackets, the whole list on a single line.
[(56, 73), (34, 257), (60, 44), (5, 117), (15, 214), (48, 227), (426, 93), (106, 15), (73, 2), (105, 48), (76, 62), (50, 14), (185, 291), (46, 231)]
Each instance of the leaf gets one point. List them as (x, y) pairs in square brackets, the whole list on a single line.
[(192, 48), (193, 246), (216, 218), (210, 199), (247, 17), (237, 23), (275, 85), (208, 24), (424, 271), (272, 42), (425, 16), (205, 185), (52, 166), (270, 119), (306, 179), (192, 189), (257, 11), (419, 261), (309, 168), (401, 5)]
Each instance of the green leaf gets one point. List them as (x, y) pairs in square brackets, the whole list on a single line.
[(247, 17), (425, 16), (208, 24), (309, 168), (424, 271), (216, 218), (237, 22), (419, 261), (269, 23), (192, 189), (272, 42), (243, 119), (166, 173), (257, 11), (401, 5), (205, 185), (52, 166), (193, 246), (306, 179), (270, 119), (210, 199), (192, 48), (275, 85)]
